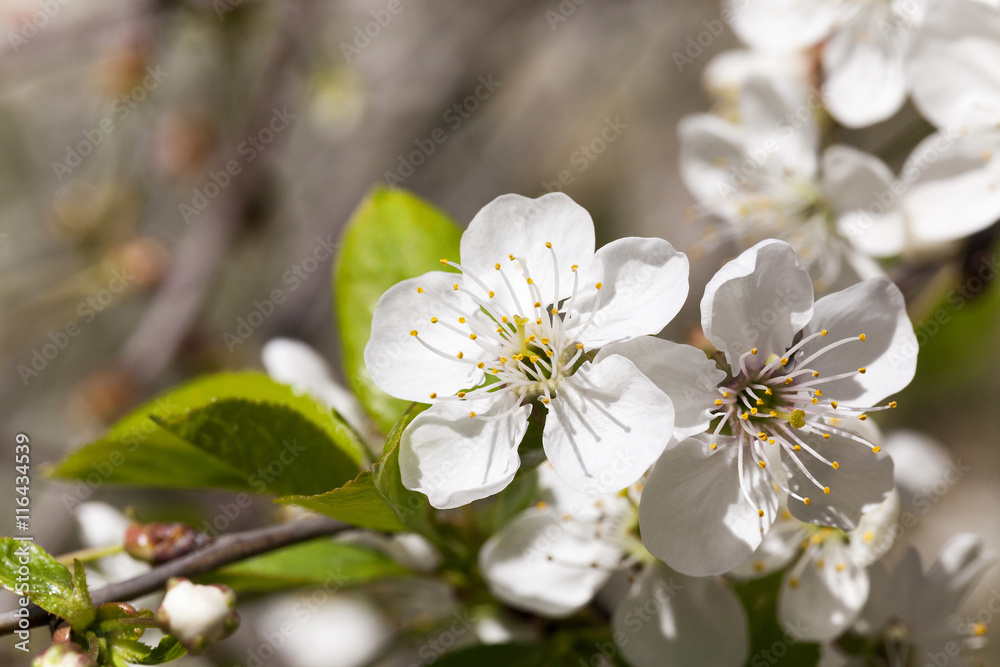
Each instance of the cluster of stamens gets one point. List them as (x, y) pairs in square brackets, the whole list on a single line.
[(528, 350), (771, 405)]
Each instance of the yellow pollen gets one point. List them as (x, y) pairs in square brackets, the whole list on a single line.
[(530, 281), (815, 374), (784, 361), (492, 294), (835, 465), (833, 404), (461, 394), (815, 401), (841, 567), (443, 261), (533, 358), (713, 445), (541, 504), (599, 285), (789, 380), (979, 629), (753, 411), (413, 333), (826, 490), (862, 417), (472, 414), (760, 513), (762, 464), (862, 337), (545, 341), (876, 449), (545, 400), (725, 394), (796, 448), (770, 441), (718, 401), (434, 395), (503, 319), (893, 404), (511, 257), (497, 266), (434, 320), (819, 392), (762, 435), (773, 413), (760, 401), (745, 415), (579, 346), (480, 365), (806, 501), (461, 320), (753, 351), (769, 392), (869, 535), (548, 245), (455, 287), (420, 290), (862, 370), (472, 336), (460, 355), (823, 332), (826, 436), (574, 267), (538, 304), (555, 311)]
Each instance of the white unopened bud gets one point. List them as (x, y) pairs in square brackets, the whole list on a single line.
[(65, 654), (197, 615)]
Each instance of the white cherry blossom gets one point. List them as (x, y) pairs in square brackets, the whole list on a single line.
[(513, 329), (796, 374)]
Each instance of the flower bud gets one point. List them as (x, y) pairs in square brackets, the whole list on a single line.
[(160, 542), (63, 655), (197, 615)]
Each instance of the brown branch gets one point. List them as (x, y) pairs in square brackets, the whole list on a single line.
[(225, 550)]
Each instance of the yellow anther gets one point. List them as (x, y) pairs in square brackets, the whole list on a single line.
[(979, 629), (492, 294), (503, 319), (714, 445), (823, 332), (538, 304), (820, 564), (793, 581), (819, 392), (745, 415), (762, 435), (461, 320), (455, 287), (725, 394), (461, 394), (762, 464), (769, 392), (579, 346), (473, 336), (753, 411), (826, 490), (529, 281), (826, 436), (434, 395), (760, 401), (760, 513), (599, 285), (718, 401), (434, 320), (533, 358), (833, 404), (413, 333), (815, 374), (772, 413), (472, 414), (545, 400), (786, 515), (815, 401), (841, 567), (862, 370), (548, 245), (460, 355), (770, 441), (541, 504), (862, 417), (555, 311), (549, 353), (835, 465), (862, 337), (784, 361), (753, 351), (497, 266), (893, 404), (574, 267), (789, 380), (869, 536), (796, 448), (876, 449), (510, 257), (480, 365), (420, 290), (443, 261), (806, 501), (758, 566)]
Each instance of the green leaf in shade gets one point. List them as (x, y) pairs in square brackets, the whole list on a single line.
[(49, 583), (325, 563), (376, 498), (169, 648), (138, 452), (273, 447), (760, 597), (517, 497), (391, 237), (498, 655)]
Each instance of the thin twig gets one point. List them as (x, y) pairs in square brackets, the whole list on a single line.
[(227, 549)]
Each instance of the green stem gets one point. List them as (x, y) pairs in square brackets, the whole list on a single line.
[(88, 555)]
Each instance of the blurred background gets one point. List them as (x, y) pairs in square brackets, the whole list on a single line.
[(167, 167)]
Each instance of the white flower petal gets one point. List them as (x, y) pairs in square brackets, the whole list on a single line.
[(670, 619), (520, 226), (644, 282), (397, 361), (784, 25), (760, 299), (864, 65), (954, 187), (693, 515), (454, 458), (606, 425), (888, 354), (951, 85), (777, 135), (862, 481), (781, 544), (543, 564), (859, 188), (822, 597), (919, 462), (711, 154), (957, 569), (682, 372)]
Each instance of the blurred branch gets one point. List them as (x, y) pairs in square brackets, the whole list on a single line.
[(224, 551), (200, 252)]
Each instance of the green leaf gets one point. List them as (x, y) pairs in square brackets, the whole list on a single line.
[(323, 563), (169, 648), (27, 569), (376, 498), (274, 448), (391, 237), (768, 640), (497, 655), (138, 452), (517, 497)]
